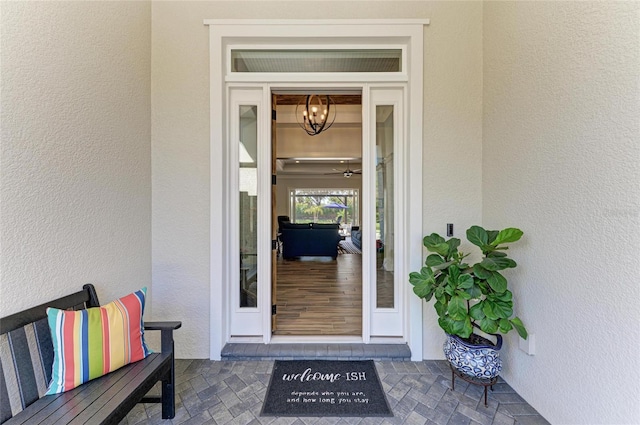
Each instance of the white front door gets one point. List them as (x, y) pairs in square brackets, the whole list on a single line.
[(249, 150)]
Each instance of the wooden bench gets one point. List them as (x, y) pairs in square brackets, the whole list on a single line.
[(26, 354)]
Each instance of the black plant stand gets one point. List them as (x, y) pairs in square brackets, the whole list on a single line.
[(483, 382)]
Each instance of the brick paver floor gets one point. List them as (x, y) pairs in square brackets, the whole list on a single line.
[(232, 392)]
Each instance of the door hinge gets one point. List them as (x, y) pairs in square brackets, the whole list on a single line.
[(274, 244), (273, 114), (274, 309), (273, 179)]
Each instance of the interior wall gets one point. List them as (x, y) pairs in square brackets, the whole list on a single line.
[(180, 133), (561, 161), (339, 141), (75, 191)]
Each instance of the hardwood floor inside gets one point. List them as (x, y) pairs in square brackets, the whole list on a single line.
[(318, 296)]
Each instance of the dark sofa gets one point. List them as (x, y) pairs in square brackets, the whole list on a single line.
[(299, 240)]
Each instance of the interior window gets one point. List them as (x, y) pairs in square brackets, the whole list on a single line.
[(325, 206)]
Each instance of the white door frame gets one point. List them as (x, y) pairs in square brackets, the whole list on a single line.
[(296, 33)]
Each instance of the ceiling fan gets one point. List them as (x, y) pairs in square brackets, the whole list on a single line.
[(348, 172)]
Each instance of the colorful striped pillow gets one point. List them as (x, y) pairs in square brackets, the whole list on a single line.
[(93, 342)]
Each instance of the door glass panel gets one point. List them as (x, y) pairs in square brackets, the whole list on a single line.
[(248, 182), (384, 207)]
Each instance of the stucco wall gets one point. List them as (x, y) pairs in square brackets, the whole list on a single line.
[(562, 162), (75, 190), (180, 132), (452, 174)]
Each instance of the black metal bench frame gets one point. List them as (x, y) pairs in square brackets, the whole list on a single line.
[(105, 400)]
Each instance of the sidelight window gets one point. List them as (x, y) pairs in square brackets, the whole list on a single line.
[(248, 208)]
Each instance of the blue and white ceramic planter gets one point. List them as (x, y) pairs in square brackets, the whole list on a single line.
[(479, 361)]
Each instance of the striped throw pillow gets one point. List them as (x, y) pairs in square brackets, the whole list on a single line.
[(93, 342)]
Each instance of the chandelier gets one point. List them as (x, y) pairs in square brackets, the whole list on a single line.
[(315, 113)]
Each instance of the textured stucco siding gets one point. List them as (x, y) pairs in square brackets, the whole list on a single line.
[(561, 160), (75, 192)]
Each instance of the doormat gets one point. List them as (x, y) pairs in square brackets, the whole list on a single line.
[(325, 388)]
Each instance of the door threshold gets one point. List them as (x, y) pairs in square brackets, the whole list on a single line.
[(324, 339), (316, 351)]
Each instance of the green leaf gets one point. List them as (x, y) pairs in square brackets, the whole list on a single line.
[(423, 292), (487, 309), (488, 325), (425, 275), (454, 274), (441, 248), (517, 324), (457, 308), (506, 296), (432, 239), (494, 254), (481, 272), (494, 264), (497, 282), (441, 278), (504, 326), (486, 289), (450, 288), (441, 308), (436, 243), (453, 244), (452, 279), (445, 323), (423, 283), (463, 294), (508, 235), (434, 260), (467, 329), (465, 281), (462, 328), (457, 326), (501, 309), (477, 236), (442, 266), (476, 311), (474, 291), (492, 235)]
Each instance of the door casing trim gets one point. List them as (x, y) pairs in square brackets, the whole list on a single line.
[(224, 33)]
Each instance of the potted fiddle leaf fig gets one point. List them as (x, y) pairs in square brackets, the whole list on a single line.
[(471, 296)]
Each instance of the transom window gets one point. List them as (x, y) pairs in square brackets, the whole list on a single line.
[(299, 60)]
